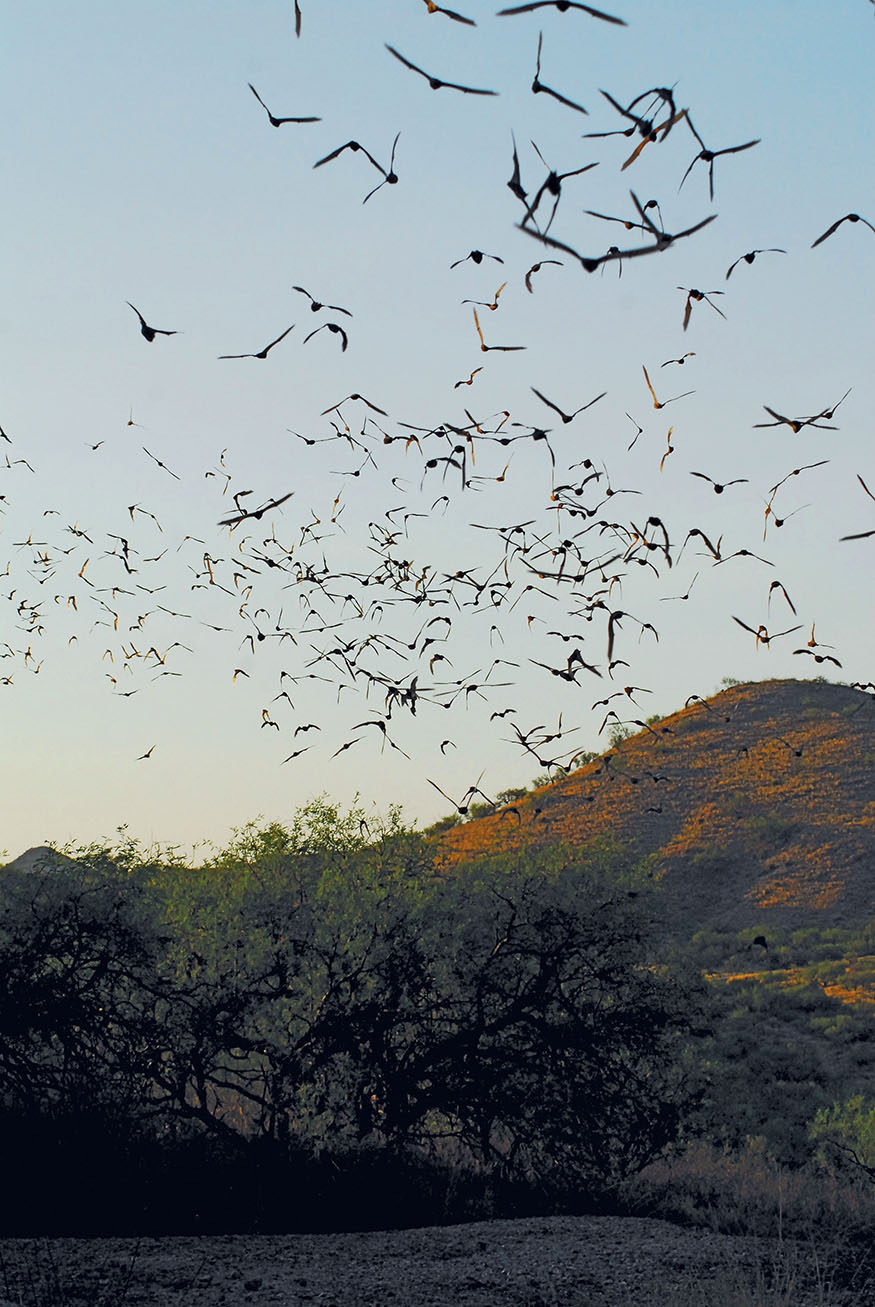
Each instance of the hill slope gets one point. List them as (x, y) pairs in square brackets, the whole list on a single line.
[(757, 807)]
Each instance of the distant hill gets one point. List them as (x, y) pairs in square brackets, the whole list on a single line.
[(755, 807), (42, 858)]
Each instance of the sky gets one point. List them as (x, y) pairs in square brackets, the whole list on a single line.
[(179, 677)]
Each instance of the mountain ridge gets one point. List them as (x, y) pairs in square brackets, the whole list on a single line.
[(753, 807)]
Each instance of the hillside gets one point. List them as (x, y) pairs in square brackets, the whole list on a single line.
[(754, 807)]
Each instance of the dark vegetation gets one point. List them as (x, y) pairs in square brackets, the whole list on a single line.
[(317, 1030)]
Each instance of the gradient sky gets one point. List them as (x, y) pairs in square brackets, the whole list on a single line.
[(138, 166)]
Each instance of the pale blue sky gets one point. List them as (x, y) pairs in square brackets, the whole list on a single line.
[(138, 166)]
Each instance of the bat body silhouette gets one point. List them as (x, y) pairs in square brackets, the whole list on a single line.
[(448, 13), (486, 348), (708, 156), (749, 258), (661, 403), (536, 267), (149, 332), (436, 82), (488, 304), (160, 464), (278, 122), (256, 513), (262, 353), (719, 486), (355, 146), (552, 185), (698, 296), (567, 417), (316, 305), (515, 184), (849, 217), (662, 240), (563, 6), (390, 178), (476, 256), (538, 85), (335, 329)]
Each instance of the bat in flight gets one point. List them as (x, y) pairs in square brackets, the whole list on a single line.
[(436, 82)]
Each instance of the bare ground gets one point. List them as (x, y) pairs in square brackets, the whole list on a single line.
[(582, 1261)]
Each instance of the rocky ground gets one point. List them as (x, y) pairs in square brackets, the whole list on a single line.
[(587, 1261)]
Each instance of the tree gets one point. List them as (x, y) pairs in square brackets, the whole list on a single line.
[(320, 988), (561, 1060), (74, 952)]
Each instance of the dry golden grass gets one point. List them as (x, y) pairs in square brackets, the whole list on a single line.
[(815, 1228)]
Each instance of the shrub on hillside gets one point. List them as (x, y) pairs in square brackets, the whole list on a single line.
[(845, 1137)]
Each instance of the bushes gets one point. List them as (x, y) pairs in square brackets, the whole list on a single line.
[(74, 957), (746, 1191), (315, 1007), (845, 1136)]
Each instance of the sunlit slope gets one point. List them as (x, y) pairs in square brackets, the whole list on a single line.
[(755, 806)]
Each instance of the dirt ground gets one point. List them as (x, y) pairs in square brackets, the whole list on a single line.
[(583, 1261)]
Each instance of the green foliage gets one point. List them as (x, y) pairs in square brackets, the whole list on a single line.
[(316, 987), (768, 828), (844, 1134), (779, 1051), (714, 948), (318, 990), (510, 796), (443, 824)]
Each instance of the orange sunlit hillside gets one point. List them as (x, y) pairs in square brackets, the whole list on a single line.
[(756, 806)]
